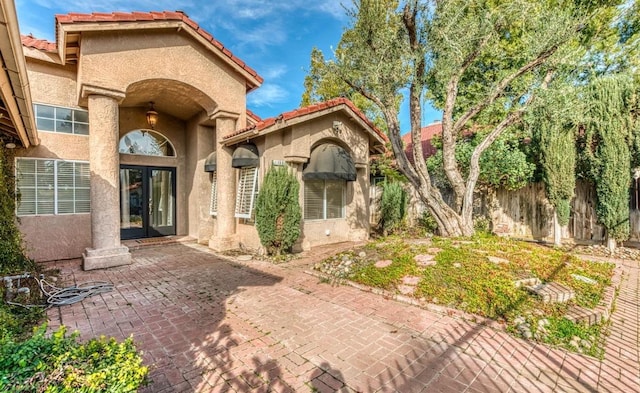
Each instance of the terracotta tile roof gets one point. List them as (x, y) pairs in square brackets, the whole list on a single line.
[(261, 125), (426, 135), (253, 116), (32, 42), (154, 16)]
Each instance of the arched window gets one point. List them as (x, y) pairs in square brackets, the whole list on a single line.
[(146, 143)]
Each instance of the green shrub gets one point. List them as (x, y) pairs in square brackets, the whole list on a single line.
[(427, 222), (278, 212), (61, 363), (12, 258), (393, 204)]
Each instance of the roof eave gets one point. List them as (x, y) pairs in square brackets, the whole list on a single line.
[(14, 81), (280, 124)]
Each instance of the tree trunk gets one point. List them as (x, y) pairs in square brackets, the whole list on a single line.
[(611, 244)]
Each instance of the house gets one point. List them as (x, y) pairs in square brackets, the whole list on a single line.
[(427, 133), (142, 130)]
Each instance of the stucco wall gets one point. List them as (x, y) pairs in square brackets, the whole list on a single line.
[(49, 237), (118, 59), (53, 237)]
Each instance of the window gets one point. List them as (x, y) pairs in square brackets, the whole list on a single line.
[(146, 143), (52, 187), (213, 207), (64, 120), (324, 199), (246, 192)]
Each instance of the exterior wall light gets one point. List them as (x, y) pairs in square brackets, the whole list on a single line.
[(152, 116), (10, 145)]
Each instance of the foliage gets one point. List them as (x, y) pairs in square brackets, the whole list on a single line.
[(563, 332), (608, 125), (427, 222), (17, 321), (12, 256), (483, 63), (504, 164), (393, 206), (62, 364), (278, 212), (322, 85), (383, 165), (553, 123)]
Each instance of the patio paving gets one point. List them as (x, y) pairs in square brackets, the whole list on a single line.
[(208, 324)]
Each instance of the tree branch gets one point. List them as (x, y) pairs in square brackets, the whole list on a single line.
[(499, 89), (449, 162)]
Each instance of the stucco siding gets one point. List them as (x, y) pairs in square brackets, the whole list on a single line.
[(57, 236), (119, 59)]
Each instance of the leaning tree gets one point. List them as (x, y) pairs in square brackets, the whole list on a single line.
[(482, 62)]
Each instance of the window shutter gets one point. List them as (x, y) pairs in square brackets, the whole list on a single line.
[(52, 187), (314, 199), (246, 192), (45, 186), (26, 184), (66, 189), (213, 207), (335, 198), (82, 197)]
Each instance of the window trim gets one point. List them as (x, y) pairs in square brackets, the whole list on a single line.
[(55, 187), (73, 122), (343, 210)]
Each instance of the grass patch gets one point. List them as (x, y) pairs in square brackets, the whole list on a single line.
[(478, 275)]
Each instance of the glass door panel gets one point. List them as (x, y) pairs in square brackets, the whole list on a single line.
[(132, 217), (147, 202), (161, 202)]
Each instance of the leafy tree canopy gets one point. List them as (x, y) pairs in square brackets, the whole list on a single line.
[(484, 63)]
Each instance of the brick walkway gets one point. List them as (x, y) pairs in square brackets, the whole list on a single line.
[(209, 325)]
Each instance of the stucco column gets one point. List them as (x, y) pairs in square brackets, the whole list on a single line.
[(225, 236), (104, 164)]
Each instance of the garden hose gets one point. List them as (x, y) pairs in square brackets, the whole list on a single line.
[(56, 296)]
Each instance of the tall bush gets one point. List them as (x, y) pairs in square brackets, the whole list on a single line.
[(393, 203), (12, 256), (278, 211), (608, 125)]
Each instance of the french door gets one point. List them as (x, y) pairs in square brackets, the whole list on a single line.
[(147, 201)]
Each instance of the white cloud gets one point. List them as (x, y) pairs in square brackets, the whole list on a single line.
[(267, 95), (274, 71)]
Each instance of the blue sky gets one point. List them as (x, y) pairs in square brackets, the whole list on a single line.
[(272, 36)]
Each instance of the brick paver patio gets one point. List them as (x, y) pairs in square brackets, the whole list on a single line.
[(207, 324)]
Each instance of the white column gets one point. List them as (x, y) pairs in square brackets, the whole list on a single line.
[(225, 236), (104, 163)]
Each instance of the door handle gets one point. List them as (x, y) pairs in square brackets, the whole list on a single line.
[(150, 206)]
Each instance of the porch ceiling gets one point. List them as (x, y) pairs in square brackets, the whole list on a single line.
[(180, 101)]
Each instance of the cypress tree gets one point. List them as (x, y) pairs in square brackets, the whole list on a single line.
[(552, 120), (608, 137), (278, 213)]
